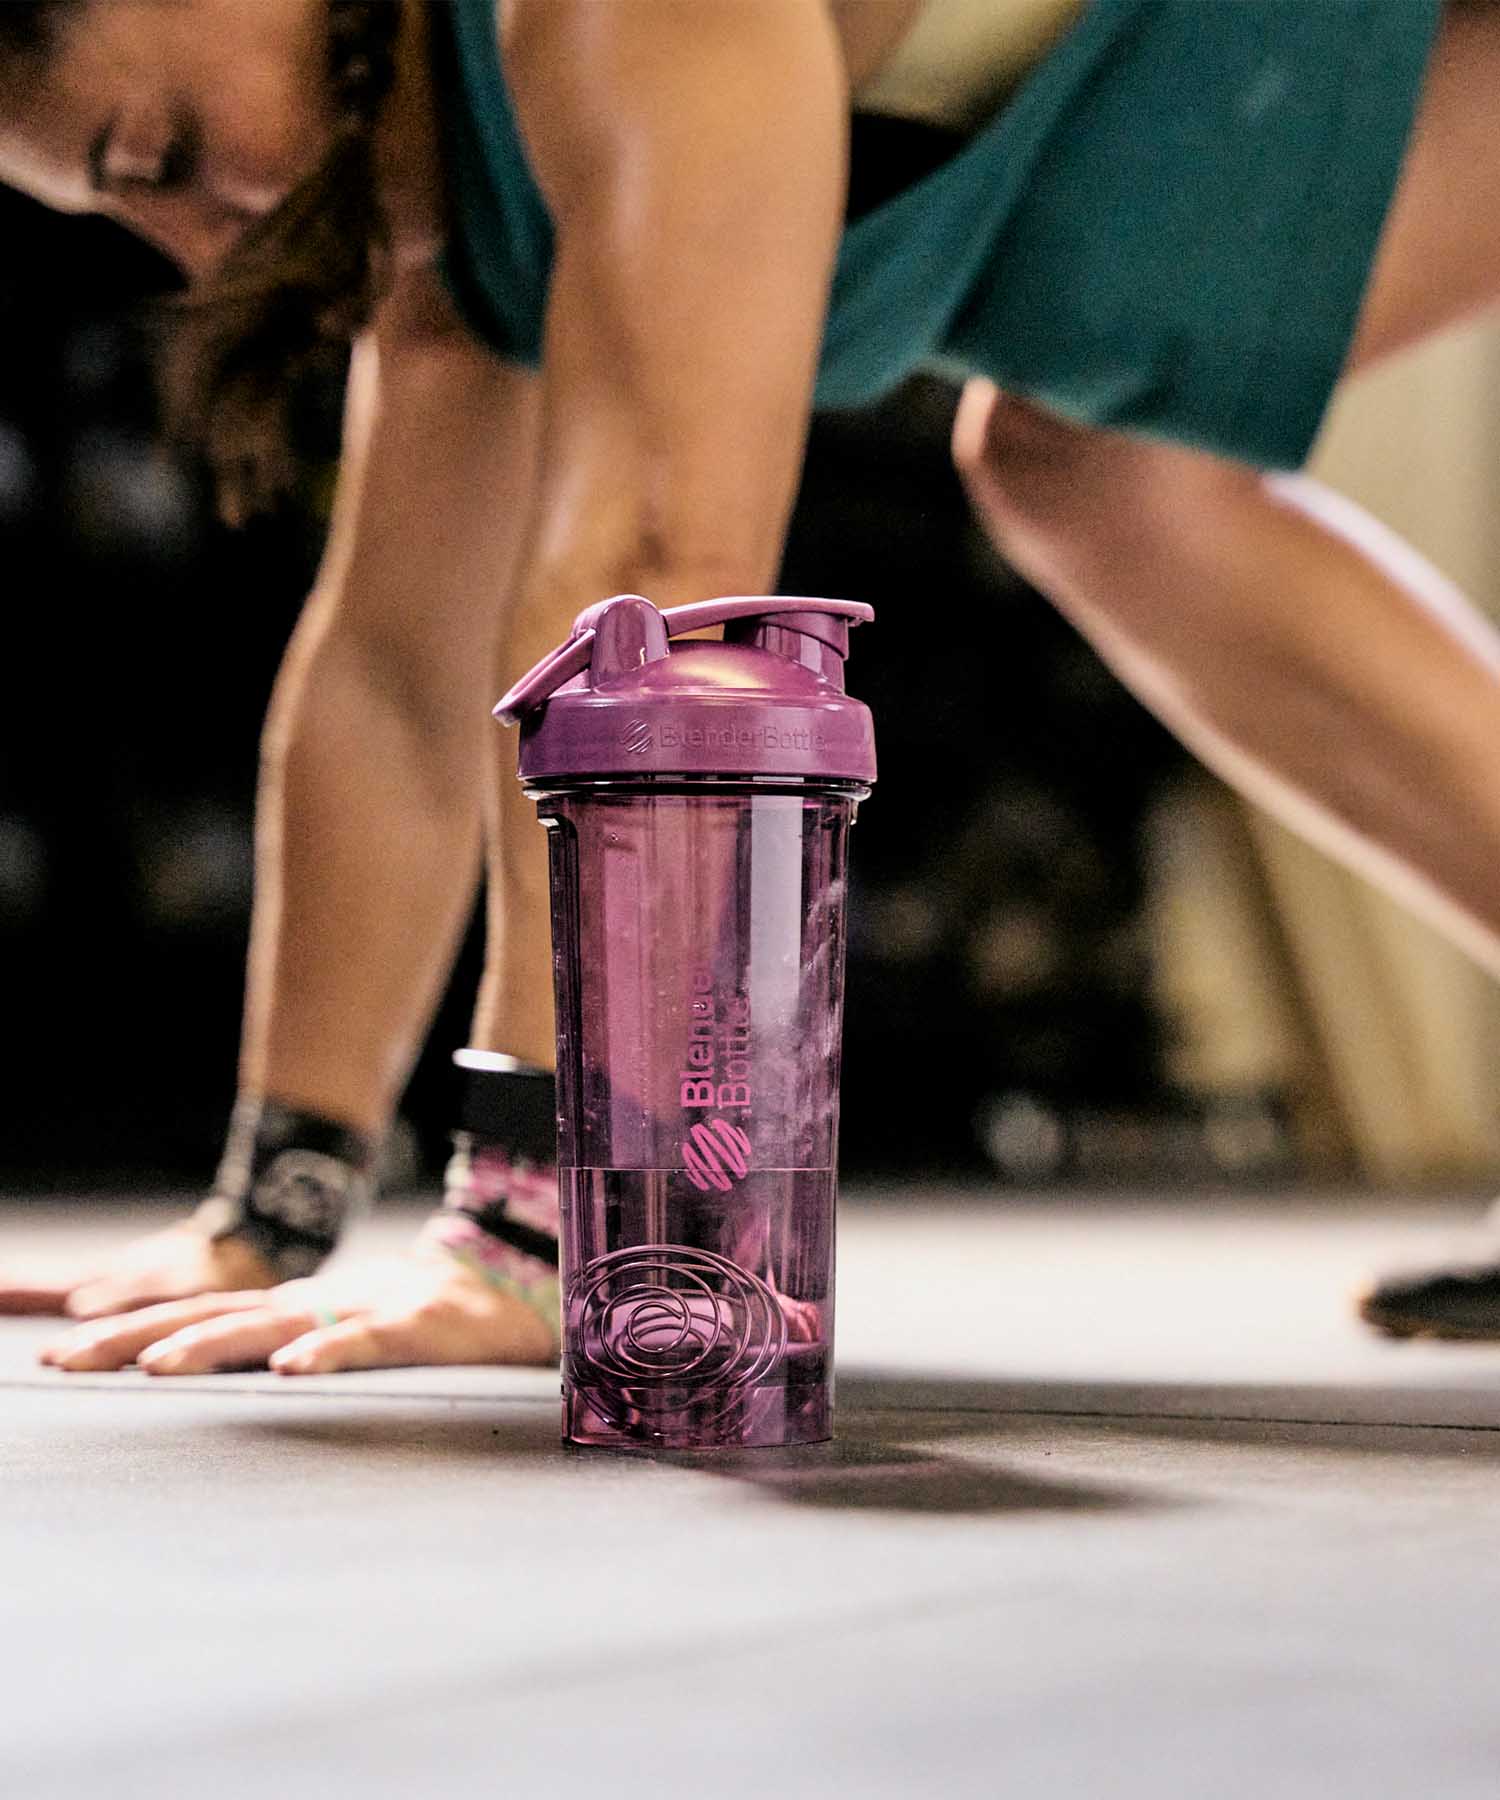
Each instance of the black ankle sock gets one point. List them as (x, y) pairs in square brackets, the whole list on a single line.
[(288, 1184)]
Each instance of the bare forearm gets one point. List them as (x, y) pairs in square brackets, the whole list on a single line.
[(692, 158), (367, 858), (515, 1003), (378, 747)]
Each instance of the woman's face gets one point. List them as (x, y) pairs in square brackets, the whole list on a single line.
[(184, 119)]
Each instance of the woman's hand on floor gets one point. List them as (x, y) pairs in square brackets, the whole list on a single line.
[(167, 1265), (419, 1307)]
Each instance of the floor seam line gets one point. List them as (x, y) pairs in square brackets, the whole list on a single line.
[(81, 1384), (1191, 1418)]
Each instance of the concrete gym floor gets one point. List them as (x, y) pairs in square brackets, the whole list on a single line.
[(1123, 1504)]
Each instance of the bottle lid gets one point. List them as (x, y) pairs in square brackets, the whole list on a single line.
[(630, 694)]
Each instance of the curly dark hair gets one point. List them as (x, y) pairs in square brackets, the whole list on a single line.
[(280, 312)]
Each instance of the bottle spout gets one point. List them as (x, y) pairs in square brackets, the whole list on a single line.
[(628, 633)]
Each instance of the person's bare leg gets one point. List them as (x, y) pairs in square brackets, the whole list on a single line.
[(1296, 646), (1320, 668), (1299, 649)]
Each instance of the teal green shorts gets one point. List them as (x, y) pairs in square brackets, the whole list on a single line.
[(1169, 230)]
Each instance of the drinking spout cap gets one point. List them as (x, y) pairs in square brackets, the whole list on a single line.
[(630, 693)]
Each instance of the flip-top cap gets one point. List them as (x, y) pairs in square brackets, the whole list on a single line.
[(630, 694)]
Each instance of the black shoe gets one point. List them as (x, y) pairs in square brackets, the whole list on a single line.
[(1461, 1302)]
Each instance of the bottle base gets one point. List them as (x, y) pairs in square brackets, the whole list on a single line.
[(775, 1415)]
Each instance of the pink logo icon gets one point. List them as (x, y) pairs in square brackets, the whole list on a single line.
[(715, 1154)]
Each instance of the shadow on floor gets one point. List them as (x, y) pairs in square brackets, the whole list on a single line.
[(1357, 1419), (891, 1454), (863, 1471), (867, 1468)]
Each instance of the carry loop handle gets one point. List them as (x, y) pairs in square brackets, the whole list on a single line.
[(572, 658)]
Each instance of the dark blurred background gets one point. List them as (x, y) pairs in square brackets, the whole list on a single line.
[(999, 981)]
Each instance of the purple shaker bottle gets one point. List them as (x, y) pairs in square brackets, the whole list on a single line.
[(698, 796)]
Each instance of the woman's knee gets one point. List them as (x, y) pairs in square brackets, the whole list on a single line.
[(1059, 499)]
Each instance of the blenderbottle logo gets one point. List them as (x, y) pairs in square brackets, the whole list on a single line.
[(715, 1154), (716, 1075), (636, 738)]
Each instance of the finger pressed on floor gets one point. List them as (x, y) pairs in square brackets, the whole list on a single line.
[(244, 1340), (351, 1344), (115, 1342)]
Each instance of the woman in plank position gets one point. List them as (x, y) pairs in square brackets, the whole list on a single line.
[(598, 263)]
